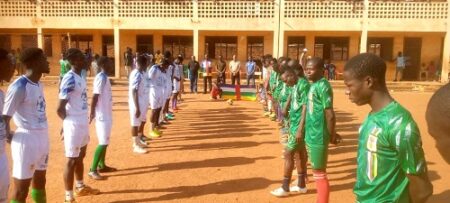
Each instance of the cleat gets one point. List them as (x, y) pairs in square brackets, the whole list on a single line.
[(139, 150), (279, 192), (95, 176), (106, 169), (85, 191), (70, 201), (155, 134), (297, 189)]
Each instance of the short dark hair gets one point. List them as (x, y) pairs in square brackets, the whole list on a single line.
[(317, 61), (367, 64), (167, 54), (102, 61), (3, 54), (142, 60), (165, 62), (72, 53), (295, 65), (30, 54)]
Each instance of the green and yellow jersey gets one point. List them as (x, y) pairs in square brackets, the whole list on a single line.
[(298, 99), (389, 148), (320, 97)]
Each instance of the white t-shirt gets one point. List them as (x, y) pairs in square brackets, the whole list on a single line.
[(2, 125), (25, 102), (235, 66), (156, 77), (168, 81), (137, 82), (73, 88), (176, 71), (102, 87), (265, 73)]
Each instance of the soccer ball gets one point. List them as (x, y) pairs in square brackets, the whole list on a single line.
[(230, 102)]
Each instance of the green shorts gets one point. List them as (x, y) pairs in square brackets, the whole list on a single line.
[(293, 145), (318, 156)]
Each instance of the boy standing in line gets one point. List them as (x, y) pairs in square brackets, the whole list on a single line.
[(320, 125), (6, 73), (101, 111), (156, 95), (391, 161), (295, 145), (73, 109), (138, 104), (176, 83)]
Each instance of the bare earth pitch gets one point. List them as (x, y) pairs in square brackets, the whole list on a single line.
[(214, 152)]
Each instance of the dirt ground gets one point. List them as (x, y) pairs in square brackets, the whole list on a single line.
[(214, 152)]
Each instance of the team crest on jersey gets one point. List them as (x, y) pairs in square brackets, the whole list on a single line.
[(84, 99), (41, 104)]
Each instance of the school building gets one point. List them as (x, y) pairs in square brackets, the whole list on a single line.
[(333, 30)]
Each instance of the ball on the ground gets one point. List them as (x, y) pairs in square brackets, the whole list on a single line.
[(230, 101)]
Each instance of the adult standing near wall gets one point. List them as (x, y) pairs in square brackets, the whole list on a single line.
[(400, 66), (193, 73), (235, 67), (221, 67), (207, 74), (251, 68), (128, 59)]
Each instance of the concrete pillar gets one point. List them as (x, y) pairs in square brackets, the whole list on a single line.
[(445, 56), (277, 33), (116, 52), (364, 25), (446, 51), (40, 38), (158, 42), (97, 42), (196, 43), (242, 47)]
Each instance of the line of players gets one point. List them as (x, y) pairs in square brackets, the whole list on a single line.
[(25, 104), (391, 166)]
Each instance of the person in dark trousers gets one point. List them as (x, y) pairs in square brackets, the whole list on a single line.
[(235, 67), (193, 73), (128, 58), (221, 69), (207, 74), (251, 68)]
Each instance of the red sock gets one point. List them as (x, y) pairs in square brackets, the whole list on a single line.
[(323, 187)]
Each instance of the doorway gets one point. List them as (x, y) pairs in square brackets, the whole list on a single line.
[(108, 49), (412, 47), (220, 46)]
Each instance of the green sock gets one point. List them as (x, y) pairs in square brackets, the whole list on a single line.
[(101, 163), (97, 156), (38, 196), (15, 201)]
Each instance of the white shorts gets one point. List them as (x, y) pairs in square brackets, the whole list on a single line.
[(143, 107), (4, 177), (156, 98), (168, 92), (76, 135), (29, 151), (176, 86), (103, 129)]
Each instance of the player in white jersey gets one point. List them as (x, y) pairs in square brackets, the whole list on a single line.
[(166, 114), (176, 83), (101, 111), (25, 103), (156, 96), (181, 69), (138, 103), (73, 109), (6, 73)]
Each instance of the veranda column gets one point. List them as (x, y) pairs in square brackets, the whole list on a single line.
[(195, 31), (39, 24), (364, 25), (116, 40), (446, 50), (276, 28)]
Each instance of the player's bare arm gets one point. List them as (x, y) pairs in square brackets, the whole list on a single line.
[(9, 135), (136, 103), (420, 188), (61, 111), (287, 106), (93, 105), (301, 128), (330, 117)]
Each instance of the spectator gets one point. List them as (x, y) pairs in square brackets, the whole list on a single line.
[(235, 67), (128, 58), (221, 69), (207, 74), (400, 66), (251, 68), (193, 74)]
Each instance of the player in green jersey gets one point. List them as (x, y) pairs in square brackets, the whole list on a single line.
[(320, 125), (295, 147), (391, 162)]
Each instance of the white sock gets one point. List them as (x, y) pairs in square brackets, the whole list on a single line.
[(79, 184), (69, 195)]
